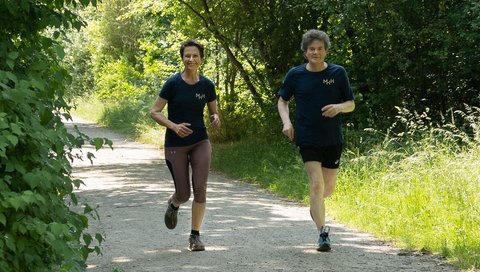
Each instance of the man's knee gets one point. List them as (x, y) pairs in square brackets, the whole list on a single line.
[(328, 192), (317, 189)]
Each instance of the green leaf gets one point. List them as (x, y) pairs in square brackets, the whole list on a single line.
[(10, 63), (16, 129), (3, 219), (12, 55), (16, 202), (39, 65), (57, 229), (3, 123), (87, 238), (59, 51), (22, 243), (38, 83), (99, 237), (87, 209), (41, 228), (12, 77), (98, 143), (5, 87), (13, 139), (28, 197), (33, 179), (84, 220), (10, 242)]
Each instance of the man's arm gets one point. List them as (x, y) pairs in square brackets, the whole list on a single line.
[(284, 112), (333, 109)]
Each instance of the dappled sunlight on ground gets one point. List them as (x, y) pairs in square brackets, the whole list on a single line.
[(245, 228)]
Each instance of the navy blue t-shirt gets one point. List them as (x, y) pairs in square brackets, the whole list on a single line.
[(313, 91), (186, 104)]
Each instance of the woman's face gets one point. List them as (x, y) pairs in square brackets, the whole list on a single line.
[(316, 52), (191, 58)]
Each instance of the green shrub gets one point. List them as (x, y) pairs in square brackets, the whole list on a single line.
[(41, 225)]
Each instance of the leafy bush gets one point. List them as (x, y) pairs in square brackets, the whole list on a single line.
[(39, 227)]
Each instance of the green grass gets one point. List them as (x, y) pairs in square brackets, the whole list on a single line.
[(421, 198), (428, 200), (128, 118), (419, 192)]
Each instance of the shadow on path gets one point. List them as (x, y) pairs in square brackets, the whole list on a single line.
[(245, 228)]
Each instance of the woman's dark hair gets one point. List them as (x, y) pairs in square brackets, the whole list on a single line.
[(192, 42)]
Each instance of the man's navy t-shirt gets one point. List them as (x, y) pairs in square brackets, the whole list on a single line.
[(186, 104), (313, 91)]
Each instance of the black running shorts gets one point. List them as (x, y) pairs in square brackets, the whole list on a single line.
[(329, 156)]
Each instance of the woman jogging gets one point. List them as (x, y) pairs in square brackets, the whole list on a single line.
[(186, 139)]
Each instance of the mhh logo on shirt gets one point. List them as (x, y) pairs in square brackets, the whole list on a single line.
[(328, 81), (200, 96)]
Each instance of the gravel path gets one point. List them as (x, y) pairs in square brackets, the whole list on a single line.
[(245, 227)]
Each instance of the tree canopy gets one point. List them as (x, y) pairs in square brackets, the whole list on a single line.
[(414, 54)]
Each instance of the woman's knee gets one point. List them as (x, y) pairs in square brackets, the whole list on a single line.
[(200, 196), (182, 197)]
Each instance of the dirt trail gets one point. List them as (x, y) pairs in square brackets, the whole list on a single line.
[(245, 228)]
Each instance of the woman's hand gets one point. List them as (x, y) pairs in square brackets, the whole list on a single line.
[(215, 120), (182, 130)]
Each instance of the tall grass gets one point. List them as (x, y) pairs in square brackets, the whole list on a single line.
[(417, 184), (419, 187)]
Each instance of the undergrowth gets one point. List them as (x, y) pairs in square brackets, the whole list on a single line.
[(416, 184)]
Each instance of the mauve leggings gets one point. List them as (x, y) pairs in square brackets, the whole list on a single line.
[(179, 160)]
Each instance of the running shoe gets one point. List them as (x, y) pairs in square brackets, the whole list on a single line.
[(195, 244), (323, 240), (171, 216)]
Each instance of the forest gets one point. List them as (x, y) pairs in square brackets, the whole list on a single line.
[(414, 67)]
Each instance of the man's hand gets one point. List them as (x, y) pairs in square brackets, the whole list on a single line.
[(288, 131), (331, 110)]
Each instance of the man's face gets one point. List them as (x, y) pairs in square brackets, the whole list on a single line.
[(316, 52), (191, 58)]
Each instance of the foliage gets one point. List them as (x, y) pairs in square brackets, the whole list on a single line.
[(416, 185), (415, 55), (78, 62), (419, 186), (119, 81), (248, 57), (41, 227)]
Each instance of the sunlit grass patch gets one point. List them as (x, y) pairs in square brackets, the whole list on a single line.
[(426, 201), (419, 188)]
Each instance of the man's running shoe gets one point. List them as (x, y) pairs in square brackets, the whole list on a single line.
[(195, 244), (171, 216), (323, 240)]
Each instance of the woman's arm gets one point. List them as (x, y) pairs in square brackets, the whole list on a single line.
[(181, 130), (213, 113)]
